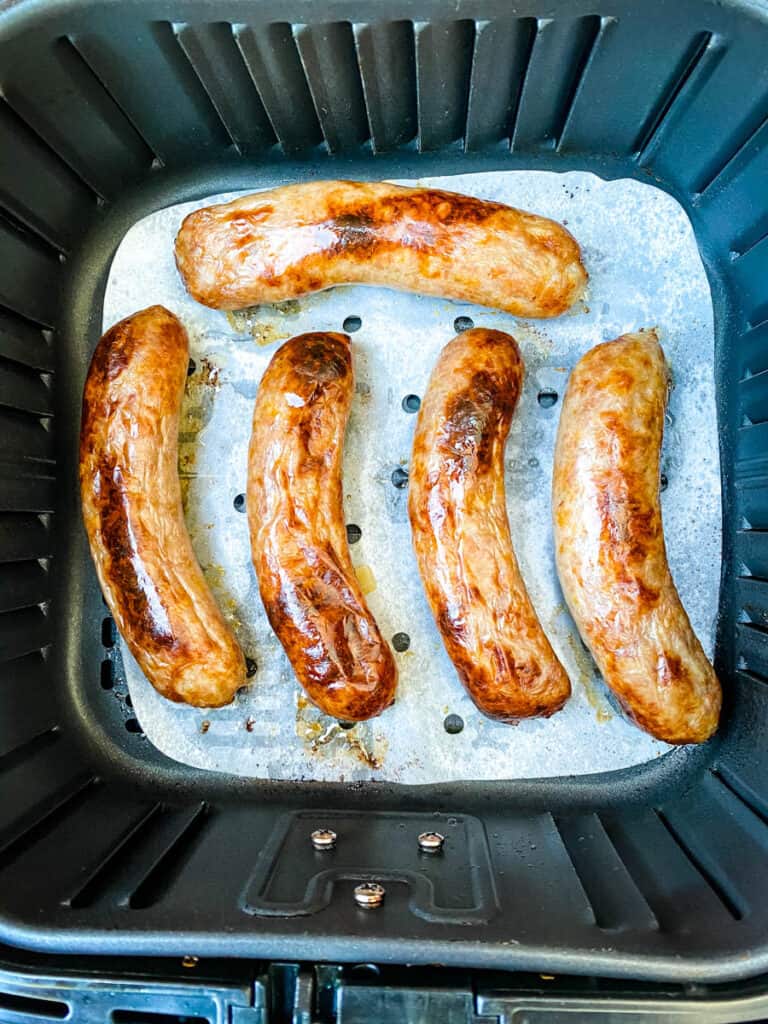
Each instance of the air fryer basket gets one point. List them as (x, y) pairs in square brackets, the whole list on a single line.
[(109, 111)]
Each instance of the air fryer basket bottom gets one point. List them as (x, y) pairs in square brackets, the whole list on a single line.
[(642, 256), (105, 845)]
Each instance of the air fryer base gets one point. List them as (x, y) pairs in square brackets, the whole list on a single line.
[(108, 847)]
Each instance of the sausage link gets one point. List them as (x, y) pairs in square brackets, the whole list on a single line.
[(303, 238), (461, 536), (609, 541), (298, 538), (133, 516)]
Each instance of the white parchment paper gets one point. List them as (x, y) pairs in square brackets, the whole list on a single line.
[(645, 271)]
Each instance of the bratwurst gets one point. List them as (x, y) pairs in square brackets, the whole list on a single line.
[(461, 536), (298, 239), (609, 541), (298, 538), (131, 498)]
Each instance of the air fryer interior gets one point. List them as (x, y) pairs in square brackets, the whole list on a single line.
[(111, 111)]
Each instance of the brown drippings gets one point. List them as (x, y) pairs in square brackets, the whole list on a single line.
[(586, 678), (197, 408), (253, 320), (368, 757), (365, 578), (325, 737), (264, 333)]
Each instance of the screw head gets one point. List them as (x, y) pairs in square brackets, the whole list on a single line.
[(190, 961), (431, 842), (369, 894), (323, 838)]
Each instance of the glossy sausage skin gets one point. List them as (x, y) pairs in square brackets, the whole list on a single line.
[(461, 536), (609, 541), (131, 500), (303, 238), (298, 537)]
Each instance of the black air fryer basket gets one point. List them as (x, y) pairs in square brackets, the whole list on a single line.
[(109, 111)]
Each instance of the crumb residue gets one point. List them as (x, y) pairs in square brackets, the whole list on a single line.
[(215, 574), (259, 322), (288, 307), (197, 407), (323, 736), (185, 479), (266, 333)]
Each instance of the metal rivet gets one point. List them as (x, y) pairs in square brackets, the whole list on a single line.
[(369, 894), (431, 842), (323, 838), (190, 961)]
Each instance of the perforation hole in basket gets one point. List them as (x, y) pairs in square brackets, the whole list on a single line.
[(354, 533), (453, 724), (399, 477), (352, 324), (401, 642), (463, 323), (411, 403), (107, 674), (108, 632), (547, 397), (239, 502)]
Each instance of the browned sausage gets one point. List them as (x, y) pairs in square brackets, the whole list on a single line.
[(133, 516), (303, 238), (298, 538), (461, 534), (609, 541)]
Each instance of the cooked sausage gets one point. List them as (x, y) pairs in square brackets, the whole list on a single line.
[(609, 541), (461, 536), (303, 238), (298, 539), (133, 516)]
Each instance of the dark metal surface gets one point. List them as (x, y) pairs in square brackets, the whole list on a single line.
[(111, 111), (167, 992)]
